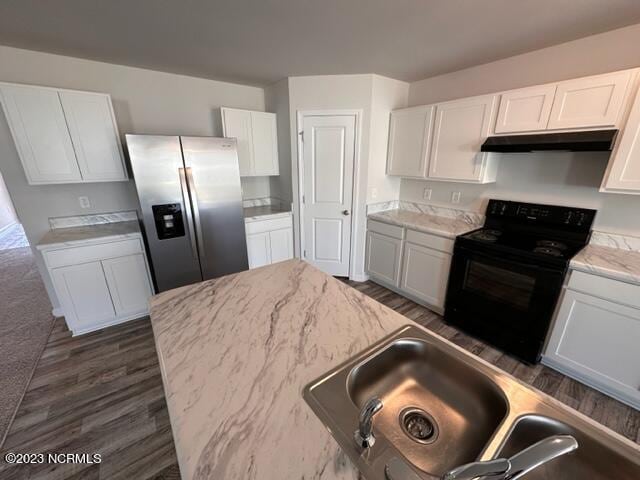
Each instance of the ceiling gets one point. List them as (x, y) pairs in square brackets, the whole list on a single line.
[(261, 41)]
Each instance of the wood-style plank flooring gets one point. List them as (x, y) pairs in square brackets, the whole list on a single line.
[(102, 393)]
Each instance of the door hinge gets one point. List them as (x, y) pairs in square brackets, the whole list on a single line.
[(303, 199), (304, 254), (301, 133)]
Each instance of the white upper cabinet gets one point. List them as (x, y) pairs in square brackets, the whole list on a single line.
[(590, 102), (410, 141), (623, 172), (94, 135), (525, 110), (460, 129), (39, 129), (63, 136), (257, 137), (265, 143)]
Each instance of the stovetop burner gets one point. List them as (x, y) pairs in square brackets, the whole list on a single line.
[(554, 252), (487, 235)]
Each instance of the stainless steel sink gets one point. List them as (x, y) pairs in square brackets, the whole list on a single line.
[(467, 411), (415, 376)]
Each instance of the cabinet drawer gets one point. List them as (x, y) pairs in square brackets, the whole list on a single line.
[(602, 287), (88, 253), (431, 241), (268, 225), (386, 229)]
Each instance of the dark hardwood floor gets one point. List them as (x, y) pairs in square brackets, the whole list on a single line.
[(96, 393), (102, 393)]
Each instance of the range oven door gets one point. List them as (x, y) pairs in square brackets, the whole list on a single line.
[(503, 300)]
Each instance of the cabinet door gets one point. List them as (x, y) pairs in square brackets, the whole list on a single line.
[(598, 340), (265, 143), (590, 102), (94, 135), (281, 245), (383, 258), (237, 124), (84, 295), (624, 165), (41, 135), (425, 273), (525, 110), (461, 127), (410, 141), (259, 249), (128, 283)]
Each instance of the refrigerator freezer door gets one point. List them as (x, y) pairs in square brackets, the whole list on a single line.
[(156, 162), (214, 182)]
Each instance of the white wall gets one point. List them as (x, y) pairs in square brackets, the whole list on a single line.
[(374, 96), (277, 101), (7, 213), (564, 179), (145, 101), (387, 95)]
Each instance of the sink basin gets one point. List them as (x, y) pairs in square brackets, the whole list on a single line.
[(442, 408), (593, 460), (412, 376)]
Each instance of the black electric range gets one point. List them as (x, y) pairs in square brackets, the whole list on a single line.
[(506, 276)]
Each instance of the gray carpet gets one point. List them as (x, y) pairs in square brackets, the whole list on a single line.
[(25, 324)]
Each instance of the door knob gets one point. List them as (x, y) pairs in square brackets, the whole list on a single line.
[(345, 212)]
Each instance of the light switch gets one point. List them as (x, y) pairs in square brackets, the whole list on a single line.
[(84, 202), (374, 193), (455, 197)]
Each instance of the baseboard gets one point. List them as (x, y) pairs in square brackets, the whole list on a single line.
[(362, 277), (570, 372), (57, 312), (112, 323)]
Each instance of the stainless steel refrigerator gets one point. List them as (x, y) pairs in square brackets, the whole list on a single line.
[(190, 195)]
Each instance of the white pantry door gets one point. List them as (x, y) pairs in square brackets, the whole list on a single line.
[(328, 158)]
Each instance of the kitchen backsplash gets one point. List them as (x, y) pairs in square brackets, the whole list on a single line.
[(94, 219), (469, 216)]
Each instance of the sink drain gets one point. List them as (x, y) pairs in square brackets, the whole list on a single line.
[(418, 425)]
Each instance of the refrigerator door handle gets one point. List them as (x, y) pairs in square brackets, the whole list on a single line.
[(187, 204), (196, 213)]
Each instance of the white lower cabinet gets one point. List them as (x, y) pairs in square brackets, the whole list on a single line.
[(595, 340), (99, 284), (128, 283), (425, 273), (413, 263), (84, 294), (269, 241), (384, 255)]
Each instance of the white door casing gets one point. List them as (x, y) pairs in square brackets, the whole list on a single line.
[(326, 178)]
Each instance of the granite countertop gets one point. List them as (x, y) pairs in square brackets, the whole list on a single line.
[(615, 263), (235, 355), (259, 213), (449, 227), (73, 235)]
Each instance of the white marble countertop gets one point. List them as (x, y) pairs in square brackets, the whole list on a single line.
[(235, 354), (449, 227), (615, 263), (75, 235), (264, 212)]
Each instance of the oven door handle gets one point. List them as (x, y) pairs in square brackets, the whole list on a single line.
[(471, 255)]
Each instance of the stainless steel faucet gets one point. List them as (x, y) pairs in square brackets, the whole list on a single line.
[(518, 465), (364, 435)]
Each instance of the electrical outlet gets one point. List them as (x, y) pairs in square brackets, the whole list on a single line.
[(455, 197), (84, 202), (374, 193), (426, 194)]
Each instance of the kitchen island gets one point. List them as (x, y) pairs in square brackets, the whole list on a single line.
[(235, 354)]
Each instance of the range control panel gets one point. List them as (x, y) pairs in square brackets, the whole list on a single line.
[(168, 220), (542, 214)]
